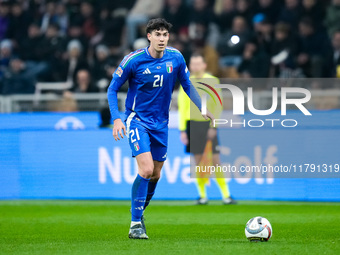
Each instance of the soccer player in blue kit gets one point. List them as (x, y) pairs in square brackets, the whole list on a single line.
[(152, 73)]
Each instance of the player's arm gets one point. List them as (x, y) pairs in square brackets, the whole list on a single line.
[(119, 77), (189, 89)]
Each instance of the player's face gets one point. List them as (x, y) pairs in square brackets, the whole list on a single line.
[(158, 39), (197, 65)]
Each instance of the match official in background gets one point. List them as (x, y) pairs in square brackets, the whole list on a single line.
[(198, 134)]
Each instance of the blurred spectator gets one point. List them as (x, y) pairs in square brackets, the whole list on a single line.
[(176, 13), (244, 9), (336, 53), (255, 63), (270, 9), (140, 43), (201, 13), (198, 33), (49, 16), (231, 44), (51, 50), (332, 20), (101, 60), (227, 14), (75, 32), (35, 9), (30, 46), (89, 22), (314, 50), (72, 62), (139, 15), (115, 5), (291, 13), (263, 29), (112, 65), (29, 52), (202, 20), (283, 43), (99, 29), (5, 56), (314, 10), (17, 80), (51, 44), (4, 19), (83, 83), (111, 26), (62, 18), (18, 24)]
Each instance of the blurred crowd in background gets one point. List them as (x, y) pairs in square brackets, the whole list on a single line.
[(83, 42)]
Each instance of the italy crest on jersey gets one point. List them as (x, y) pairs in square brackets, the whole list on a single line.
[(169, 67)]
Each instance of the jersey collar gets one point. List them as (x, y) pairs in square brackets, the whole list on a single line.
[(148, 53)]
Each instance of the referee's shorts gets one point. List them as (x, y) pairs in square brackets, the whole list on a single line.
[(197, 132)]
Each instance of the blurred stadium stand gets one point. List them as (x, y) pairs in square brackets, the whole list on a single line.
[(46, 44)]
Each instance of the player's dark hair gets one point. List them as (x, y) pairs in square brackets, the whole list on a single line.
[(158, 24)]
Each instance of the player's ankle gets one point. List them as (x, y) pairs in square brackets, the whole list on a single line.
[(133, 223)]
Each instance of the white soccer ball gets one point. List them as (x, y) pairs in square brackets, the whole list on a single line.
[(258, 229)]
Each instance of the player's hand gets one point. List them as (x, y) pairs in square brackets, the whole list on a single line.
[(209, 116), (184, 138), (118, 129), (212, 132)]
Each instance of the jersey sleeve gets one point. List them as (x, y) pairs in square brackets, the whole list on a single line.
[(183, 76), (119, 77)]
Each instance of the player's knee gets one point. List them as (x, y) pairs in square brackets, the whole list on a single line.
[(155, 177), (146, 172)]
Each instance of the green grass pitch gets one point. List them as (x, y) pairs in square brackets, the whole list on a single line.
[(101, 227)]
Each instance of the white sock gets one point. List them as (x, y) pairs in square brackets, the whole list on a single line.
[(134, 223)]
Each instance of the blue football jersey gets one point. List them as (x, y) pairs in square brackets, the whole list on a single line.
[(151, 83)]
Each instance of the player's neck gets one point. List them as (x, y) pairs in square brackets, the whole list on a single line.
[(154, 53)]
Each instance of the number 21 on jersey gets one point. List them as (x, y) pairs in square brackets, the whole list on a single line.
[(158, 81)]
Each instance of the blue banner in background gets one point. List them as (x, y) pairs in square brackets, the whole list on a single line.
[(45, 162)]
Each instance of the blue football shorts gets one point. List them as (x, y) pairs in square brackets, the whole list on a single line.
[(142, 139)]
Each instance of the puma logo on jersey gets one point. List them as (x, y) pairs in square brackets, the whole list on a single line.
[(147, 71)]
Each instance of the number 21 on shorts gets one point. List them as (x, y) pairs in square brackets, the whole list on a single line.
[(132, 133)]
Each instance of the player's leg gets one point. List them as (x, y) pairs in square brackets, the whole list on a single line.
[(139, 193), (158, 147), (153, 181), (139, 141)]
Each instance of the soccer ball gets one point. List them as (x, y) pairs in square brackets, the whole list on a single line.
[(258, 229)]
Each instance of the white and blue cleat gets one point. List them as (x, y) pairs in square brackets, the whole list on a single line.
[(137, 232)]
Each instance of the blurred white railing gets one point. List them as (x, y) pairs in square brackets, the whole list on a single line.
[(46, 102), (321, 99)]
